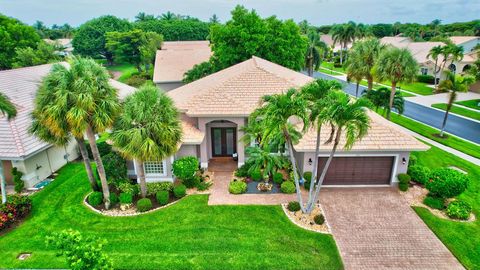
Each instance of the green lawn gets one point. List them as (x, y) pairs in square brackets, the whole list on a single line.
[(329, 65), (458, 110), (427, 131), (127, 71), (187, 235), (473, 103), (463, 239)]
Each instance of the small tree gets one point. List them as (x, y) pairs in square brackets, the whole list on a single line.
[(315, 49), (17, 179), (81, 252), (261, 159), (380, 98)]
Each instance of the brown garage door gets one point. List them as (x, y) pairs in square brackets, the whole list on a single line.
[(358, 170)]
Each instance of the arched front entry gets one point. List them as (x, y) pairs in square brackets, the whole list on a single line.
[(452, 68)]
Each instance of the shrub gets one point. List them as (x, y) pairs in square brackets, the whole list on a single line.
[(419, 174), (434, 202), (113, 198), (403, 178), (256, 175), (16, 207), (162, 197), (127, 187), (95, 198), (243, 170), (180, 191), (447, 183), (17, 179), (288, 187), (103, 149), (192, 181), (403, 186), (126, 198), (459, 210), (293, 206), (412, 161), (319, 219), (307, 176), (237, 187), (143, 205), (185, 167), (154, 188), (203, 186), (426, 79), (136, 80), (278, 178), (115, 168)]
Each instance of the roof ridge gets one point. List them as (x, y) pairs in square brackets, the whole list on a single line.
[(18, 141)]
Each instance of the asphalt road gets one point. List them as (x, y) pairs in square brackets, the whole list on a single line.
[(459, 126)]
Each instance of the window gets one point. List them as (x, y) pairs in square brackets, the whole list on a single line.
[(154, 167), (424, 71)]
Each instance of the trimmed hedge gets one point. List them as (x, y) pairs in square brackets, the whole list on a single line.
[(180, 191), (293, 206), (95, 198), (319, 219), (256, 175), (154, 188), (446, 183), (404, 178), (237, 187), (426, 79), (434, 202), (143, 205), (113, 198), (162, 197), (459, 210), (288, 187), (278, 178), (185, 168), (419, 174), (126, 198)]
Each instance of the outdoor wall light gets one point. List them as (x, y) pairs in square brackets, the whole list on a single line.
[(38, 167), (309, 161), (404, 161)]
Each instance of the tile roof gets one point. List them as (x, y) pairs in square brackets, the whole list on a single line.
[(382, 136), (177, 57), (237, 90), (457, 40), (419, 50), (20, 86), (191, 135)]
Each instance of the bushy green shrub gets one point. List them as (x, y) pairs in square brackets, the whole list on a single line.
[(162, 197), (155, 187), (278, 178), (136, 80), (288, 187), (412, 161), (459, 210), (426, 79), (115, 168), (243, 170), (16, 207), (293, 206), (419, 174), (126, 198), (434, 202), (403, 186), (127, 187), (307, 176), (319, 219), (203, 186), (95, 198), (17, 180), (237, 187), (256, 175), (103, 149), (403, 178), (185, 167), (144, 205), (113, 198), (192, 182), (180, 191), (446, 183)]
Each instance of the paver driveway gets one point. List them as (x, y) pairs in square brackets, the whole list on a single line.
[(376, 229)]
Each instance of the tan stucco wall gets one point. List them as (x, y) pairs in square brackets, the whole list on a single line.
[(187, 150)]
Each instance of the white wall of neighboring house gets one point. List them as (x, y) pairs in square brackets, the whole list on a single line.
[(469, 45)]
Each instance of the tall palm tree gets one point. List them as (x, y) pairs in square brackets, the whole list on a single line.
[(343, 34), (92, 105), (396, 65), (148, 129), (275, 115), (315, 49), (434, 53), (363, 57), (380, 98), (349, 118), (456, 54), (453, 84), (8, 108)]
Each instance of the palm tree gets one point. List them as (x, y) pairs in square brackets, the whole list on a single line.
[(315, 48), (275, 114), (348, 117), (380, 98), (453, 84), (148, 129), (261, 159), (169, 16), (214, 19), (6, 107), (434, 53), (396, 65), (92, 105), (456, 54), (343, 34), (362, 59)]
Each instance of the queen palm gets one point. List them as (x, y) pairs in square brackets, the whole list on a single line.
[(343, 34), (275, 114), (315, 48), (380, 98), (397, 66), (261, 158), (453, 84), (6, 107), (362, 59), (434, 53), (350, 119), (148, 129)]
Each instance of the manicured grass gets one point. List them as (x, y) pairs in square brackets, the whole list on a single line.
[(329, 65), (473, 103), (427, 131), (330, 72), (463, 239), (458, 110), (127, 71), (417, 87), (187, 235)]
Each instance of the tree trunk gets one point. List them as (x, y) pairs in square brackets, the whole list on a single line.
[(86, 162), (447, 111), (141, 178), (327, 164), (341, 55), (294, 167), (392, 95), (370, 82), (356, 89), (3, 184), (310, 202), (436, 70), (100, 169)]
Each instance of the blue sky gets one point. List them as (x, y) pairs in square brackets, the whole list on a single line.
[(317, 12)]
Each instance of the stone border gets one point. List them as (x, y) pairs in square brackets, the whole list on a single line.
[(109, 214), (327, 225)]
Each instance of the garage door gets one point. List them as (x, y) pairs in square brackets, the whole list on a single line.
[(358, 170)]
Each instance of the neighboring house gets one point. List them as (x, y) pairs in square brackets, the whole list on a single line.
[(64, 45), (35, 158), (175, 58), (328, 39), (216, 107)]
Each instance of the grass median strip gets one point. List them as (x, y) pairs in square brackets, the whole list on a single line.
[(458, 110)]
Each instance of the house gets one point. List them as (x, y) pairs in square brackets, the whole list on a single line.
[(177, 57), (216, 107), (36, 159), (64, 45), (328, 39)]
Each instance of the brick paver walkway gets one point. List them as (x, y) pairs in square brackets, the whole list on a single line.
[(376, 229)]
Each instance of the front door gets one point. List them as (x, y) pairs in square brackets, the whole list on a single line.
[(224, 141)]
